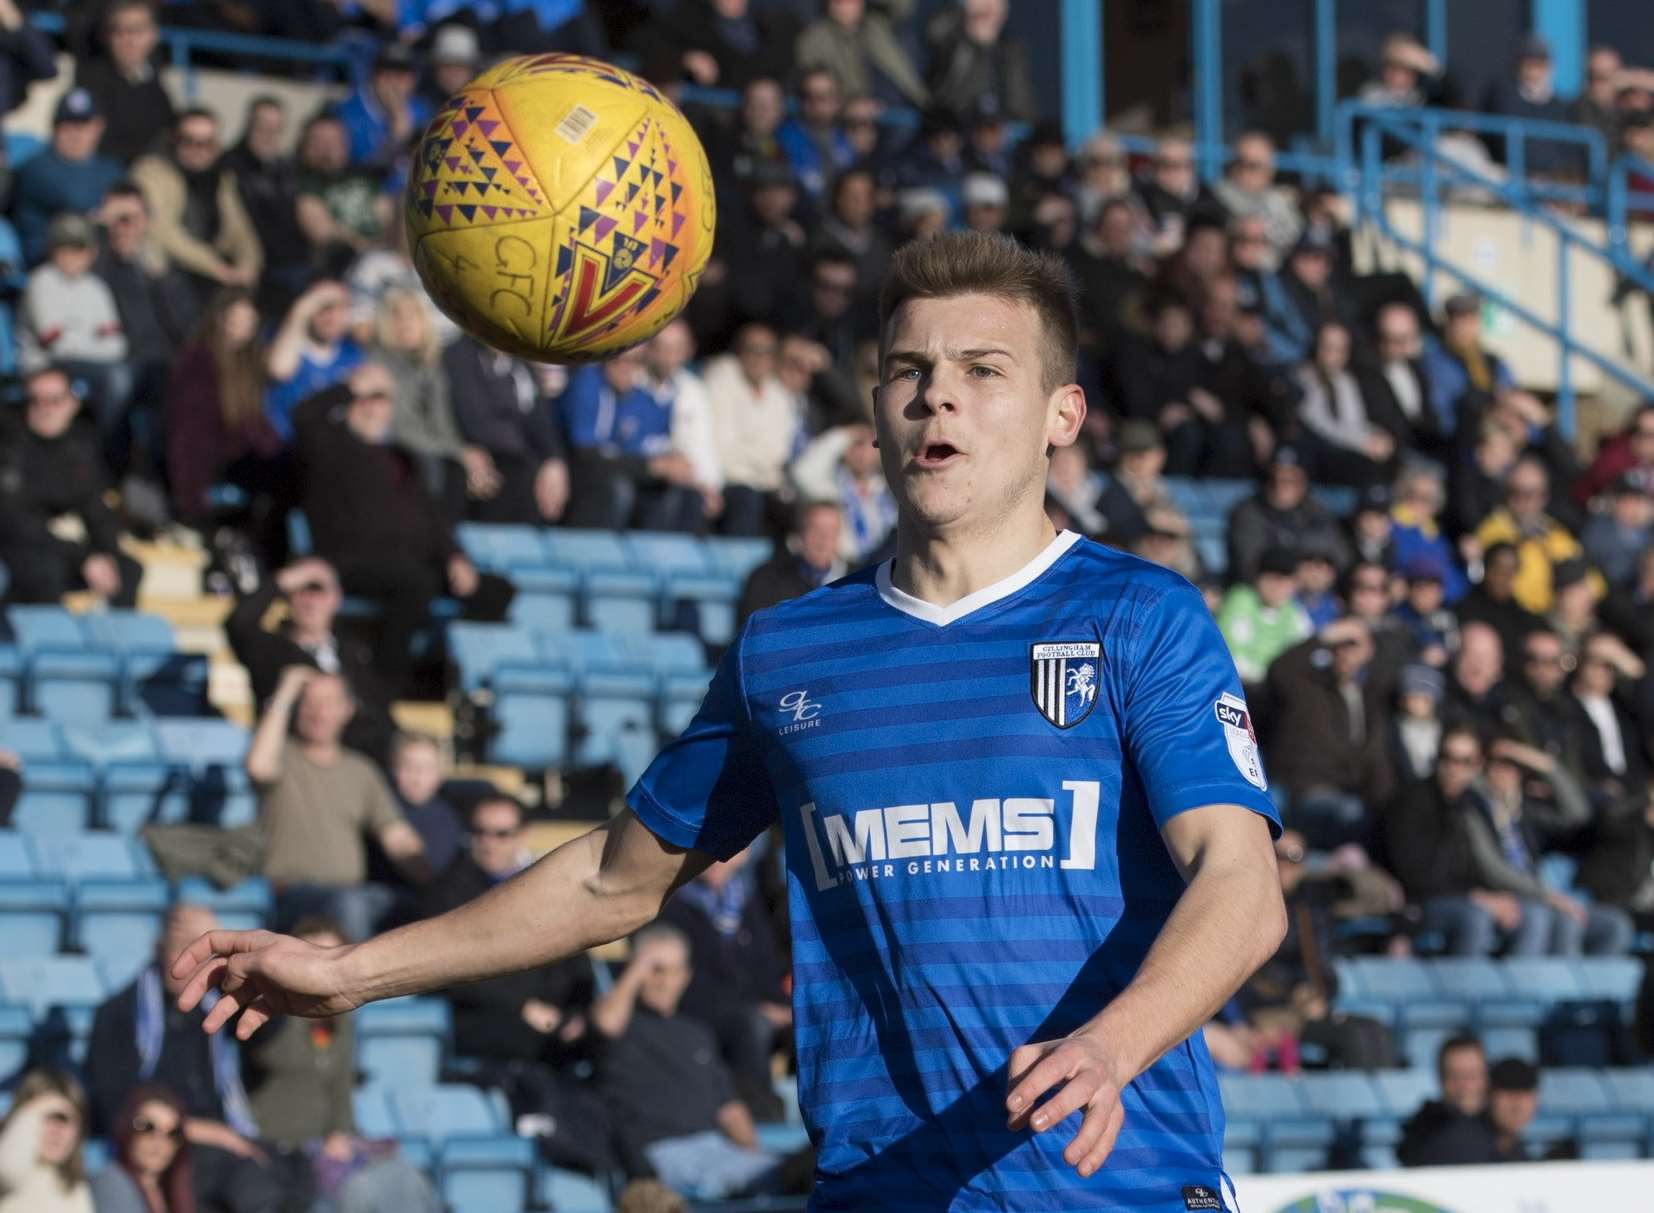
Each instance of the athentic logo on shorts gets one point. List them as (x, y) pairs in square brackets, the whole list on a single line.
[(1243, 742), (940, 839), (1062, 678), (803, 710)]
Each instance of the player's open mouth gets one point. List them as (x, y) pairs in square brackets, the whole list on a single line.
[(937, 454)]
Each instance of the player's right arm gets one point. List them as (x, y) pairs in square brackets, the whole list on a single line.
[(593, 889)]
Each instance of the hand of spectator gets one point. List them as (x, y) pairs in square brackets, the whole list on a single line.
[(236, 275), (551, 489), (1351, 857), (1503, 908), (482, 478), (294, 679), (1262, 439), (102, 576), (1378, 446), (1531, 757), (553, 377), (1340, 631), (1174, 415), (653, 953), (673, 468), (778, 1014), (1470, 549), (10, 761), (222, 1137), (303, 571), (462, 576), (541, 1016), (322, 295), (1531, 409), (1206, 404), (1567, 906), (712, 503), (1079, 1073), (702, 67), (10, 16), (574, 1027), (340, 1147), (1629, 665)]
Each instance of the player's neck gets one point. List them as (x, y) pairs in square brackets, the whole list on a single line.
[(941, 568)]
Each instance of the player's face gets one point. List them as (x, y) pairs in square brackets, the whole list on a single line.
[(962, 416)]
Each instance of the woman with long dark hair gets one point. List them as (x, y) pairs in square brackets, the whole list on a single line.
[(40, 1139), (215, 423), (150, 1172)]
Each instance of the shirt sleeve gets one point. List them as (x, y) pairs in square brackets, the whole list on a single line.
[(709, 790), (378, 808), (1187, 729)]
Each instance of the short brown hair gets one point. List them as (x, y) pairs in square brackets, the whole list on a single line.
[(649, 1196), (978, 263)]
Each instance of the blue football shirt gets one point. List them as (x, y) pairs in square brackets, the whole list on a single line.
[(972, 799)]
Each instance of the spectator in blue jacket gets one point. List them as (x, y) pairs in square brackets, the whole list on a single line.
[(69, 176), (624, 469), (385, 111), (1457, 364), (1415, 530), (812, 139), (311, 351)]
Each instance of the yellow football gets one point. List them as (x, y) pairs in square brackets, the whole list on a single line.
[(559, 208)]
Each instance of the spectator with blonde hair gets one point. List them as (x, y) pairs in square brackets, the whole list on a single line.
[(40, 1142), (649, 1196)]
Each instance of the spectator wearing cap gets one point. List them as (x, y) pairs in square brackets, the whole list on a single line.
[(68, 318), (57, 533), (1346, 446), (1541, 541), (1512, 1103), (1372, 530), (1416, 532), (1526, 805), (1457, 365), (812, 140), (267, 181), (455, 57), (984, 200), (1135, 496), (1541, 712), (124, 82), (1416, 726), (384, 112), (195, 208), (1530, 95), (1394, 383), (70, 176), (1263, 618), (1331, 699), (1422, 615), (1627, 455), (972, 56), (1282, 514), (857, 42), (1248, 188), (342, 209)]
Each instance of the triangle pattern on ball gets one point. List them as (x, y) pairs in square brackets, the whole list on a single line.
[(470, 155)]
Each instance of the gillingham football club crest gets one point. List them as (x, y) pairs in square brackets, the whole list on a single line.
[(1063, 677)]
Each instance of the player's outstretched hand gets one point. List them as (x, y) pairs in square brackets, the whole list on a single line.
[(260, 974), (1077, 1073)]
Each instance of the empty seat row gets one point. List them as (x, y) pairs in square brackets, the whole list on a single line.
[(1480, 992), (95, 667), (121, 774)]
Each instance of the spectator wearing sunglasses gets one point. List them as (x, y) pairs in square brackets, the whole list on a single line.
[(1248, 188), (1541, 541), (151, 1170), (41, 1170), (309, 591), (195, 206)]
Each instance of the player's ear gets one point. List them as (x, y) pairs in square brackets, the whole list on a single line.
[(1064, 415)]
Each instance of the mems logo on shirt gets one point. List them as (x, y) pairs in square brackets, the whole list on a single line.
[(945, 839)]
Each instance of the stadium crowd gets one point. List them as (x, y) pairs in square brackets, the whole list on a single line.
[(1448, 667)]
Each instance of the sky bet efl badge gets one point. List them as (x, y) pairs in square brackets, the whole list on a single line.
[(1243, 742), (1064, 680)]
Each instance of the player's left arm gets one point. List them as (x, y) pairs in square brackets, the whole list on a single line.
[(1229, 920)]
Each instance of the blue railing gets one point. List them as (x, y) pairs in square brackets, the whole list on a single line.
[(1436, 171), (1625, 204)]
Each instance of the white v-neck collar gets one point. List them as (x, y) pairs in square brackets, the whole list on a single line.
[(929, 612)]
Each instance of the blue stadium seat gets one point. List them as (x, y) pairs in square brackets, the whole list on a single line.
[(499, 548), (531, 710), (16, 857), (1242, 1139), (1278, 1105), (133, 794), (586, 551), (623, 603), (689, 577), (486, 1174), (1482, 985), (43, 982), (541, 611), (570, 1191), (118, 921), (1581, 1095), (34, 740), (1403, 1091), (614, 699), (64, 680), (11, 682), (34, 915), (59, 794), (1631, 1088), (156, 678), (1615, 978), (244, 907), (447, 1110), (91, 855), (16, 1028), (1545, 981), (1342, 1095), (1511, 1042), (1419, 1045), (735, 558), (111, 742), (371, 1107), (477, 650), (1407, 985), (212, 752), (400, 1042)]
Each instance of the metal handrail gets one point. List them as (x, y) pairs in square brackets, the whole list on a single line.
[(1436, 168)]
